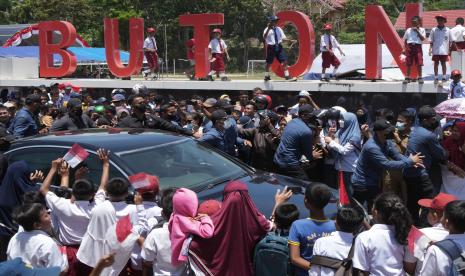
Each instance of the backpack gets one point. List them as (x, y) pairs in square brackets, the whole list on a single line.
[(341, 267), (271, 256), (456, 254)]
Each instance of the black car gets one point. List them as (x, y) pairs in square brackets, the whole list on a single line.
[(178, 161)]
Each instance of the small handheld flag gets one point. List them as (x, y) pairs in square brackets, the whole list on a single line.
[(75, 155), (343, 196)]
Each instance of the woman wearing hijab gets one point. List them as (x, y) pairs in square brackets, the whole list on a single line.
[(239, 226), (454, 145), (347, 143), (18, 181)]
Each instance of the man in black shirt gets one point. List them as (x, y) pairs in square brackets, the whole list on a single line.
[(74, 119), (140, 119)]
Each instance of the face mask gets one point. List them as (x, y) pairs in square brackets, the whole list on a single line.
[(389, 136), (77, 112), (141, 107), (341, 123), (400, 126), (362, 119)]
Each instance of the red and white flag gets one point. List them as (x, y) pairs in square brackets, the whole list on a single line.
[(343, 196), (75, 155), (418, 243), (144, 182)]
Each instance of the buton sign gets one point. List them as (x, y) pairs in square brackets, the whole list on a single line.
[(378, 28)]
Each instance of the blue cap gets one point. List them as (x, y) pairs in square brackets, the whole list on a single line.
[(273, 18), (17, 267), (244, 120), (74, 95), (118, 98)]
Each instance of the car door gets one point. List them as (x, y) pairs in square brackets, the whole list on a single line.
[(40, 158)]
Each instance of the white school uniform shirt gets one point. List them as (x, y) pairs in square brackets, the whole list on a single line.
[(337, 245), (437, 262), (215, 46), (72, 218), (270, 37), (440, 39), (457, 89), (347, 158), (123, 209), (150, 43), (435, 233), (378, 252), (457, 33), (36, 249), (325, 43), (412, 37), (157, 249)]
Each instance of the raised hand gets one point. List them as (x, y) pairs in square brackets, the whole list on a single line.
[(103, 155), (282, 196), (36, 176), (56, 164), (64, 168), (80, 173), (317, 154)]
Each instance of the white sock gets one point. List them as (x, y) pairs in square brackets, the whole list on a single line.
[(211, 73), (223, 75), (286, 73), (323, 75), (335, 71), (267, 74)]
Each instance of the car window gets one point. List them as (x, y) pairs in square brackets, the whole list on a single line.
[(182, 163), (41, 158)]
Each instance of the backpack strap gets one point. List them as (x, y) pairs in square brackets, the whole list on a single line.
[(326, 261), (449, 247)]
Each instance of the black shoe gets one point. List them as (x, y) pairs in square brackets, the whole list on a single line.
[(421, 81), (210, 78), (324, 79), (267, 78)]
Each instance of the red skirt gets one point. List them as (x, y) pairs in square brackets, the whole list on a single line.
[(71, 251), (152, 59), (218, 64), (329, 59), (414, 55)]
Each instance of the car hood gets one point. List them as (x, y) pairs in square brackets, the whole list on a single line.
[(262, 189)]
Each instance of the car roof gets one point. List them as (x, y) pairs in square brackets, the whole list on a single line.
[(115, 140)]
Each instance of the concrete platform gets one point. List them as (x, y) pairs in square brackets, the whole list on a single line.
[(235, 85)]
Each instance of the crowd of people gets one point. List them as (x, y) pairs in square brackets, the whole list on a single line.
[(392, 164)]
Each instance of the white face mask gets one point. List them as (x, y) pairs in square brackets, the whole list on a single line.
[(341, 123)]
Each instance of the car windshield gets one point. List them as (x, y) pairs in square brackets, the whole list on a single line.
[(183, 163)]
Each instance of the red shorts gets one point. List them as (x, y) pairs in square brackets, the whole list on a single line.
[(414, 55), (441, 58), (218, 64), (329, 59), (152, 59)]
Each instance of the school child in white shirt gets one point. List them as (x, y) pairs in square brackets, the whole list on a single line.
[(156, 251), (437, 261), (328, 43), (34, 246), (382, 250), (457, 35), (440, 47), (218, 50), (456, 88), (151, 55), (339, 243), (413, 39)]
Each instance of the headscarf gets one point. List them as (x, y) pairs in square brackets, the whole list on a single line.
[(239, 226), (351, 131), (14, 185), (456, 156), (94, 243), (182, 224)]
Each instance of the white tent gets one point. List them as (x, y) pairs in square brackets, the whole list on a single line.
[(354, 61)]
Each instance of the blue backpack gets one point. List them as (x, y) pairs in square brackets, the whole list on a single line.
[(271, 256), (455, 254)]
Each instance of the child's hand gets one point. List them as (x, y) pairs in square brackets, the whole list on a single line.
[(56, 163), (283, 196), (103, 155), (64, 168), (36, 176)]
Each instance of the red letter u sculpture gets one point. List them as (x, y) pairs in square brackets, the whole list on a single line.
[(306, 42), (136, 37), (47, 48)]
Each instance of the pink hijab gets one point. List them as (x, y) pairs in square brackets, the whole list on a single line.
[(239, 226), (182, 224)]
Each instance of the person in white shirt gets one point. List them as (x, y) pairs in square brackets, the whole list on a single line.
[(273, 37), (382, 250), (156, 251), (33, 245), (437, 261), (440, 41), (150, 52), (456, 88), (339, 243), (328, 43), (218, 50), (413, 38), (73, 215), (457, 35)]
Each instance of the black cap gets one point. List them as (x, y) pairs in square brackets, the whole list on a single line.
[(305, 109), (33, 98), (218, 114), (73, 102), (426, 112), (382, 124), (224, 104)]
